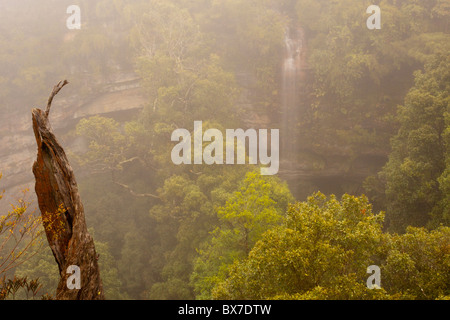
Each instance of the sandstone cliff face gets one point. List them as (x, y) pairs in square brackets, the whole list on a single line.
[(122, 94)]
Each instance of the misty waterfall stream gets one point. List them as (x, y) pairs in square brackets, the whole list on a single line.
[(290, 93)]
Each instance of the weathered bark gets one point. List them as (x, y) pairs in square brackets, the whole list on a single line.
[(62, 211)]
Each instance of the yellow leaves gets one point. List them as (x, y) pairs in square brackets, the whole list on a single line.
[(54, 223), (20, 230)]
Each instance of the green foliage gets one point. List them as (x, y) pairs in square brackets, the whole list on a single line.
[(417, 264), (359, 75), (258, 206), (249, 36), (31, 68), (184, 219), (444, 179), (105, 140), (41, 266), (109, 273), (201, 61), (184, 232), (416, 172), (321, 250)]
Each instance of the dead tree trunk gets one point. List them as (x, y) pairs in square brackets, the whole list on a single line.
[(62, 212)]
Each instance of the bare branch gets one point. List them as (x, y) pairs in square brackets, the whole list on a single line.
[(55, 91), (140, 195), (132, 160)]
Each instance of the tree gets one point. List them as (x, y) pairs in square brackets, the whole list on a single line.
[(444, 179), (20, 240), (20, 235), (248, 36), (62, 210), (112, 150), (417, 264), (357, 77), (258, 206), (415, 174), (110, 274), (184, 217), (42, 267), (321, 251), (106, 143)]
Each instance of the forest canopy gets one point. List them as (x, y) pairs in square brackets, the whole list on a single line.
[(364, 177)]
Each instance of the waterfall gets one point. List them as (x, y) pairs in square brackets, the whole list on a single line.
[(290, 93)]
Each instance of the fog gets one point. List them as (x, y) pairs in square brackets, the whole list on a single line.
[(333, 108)]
